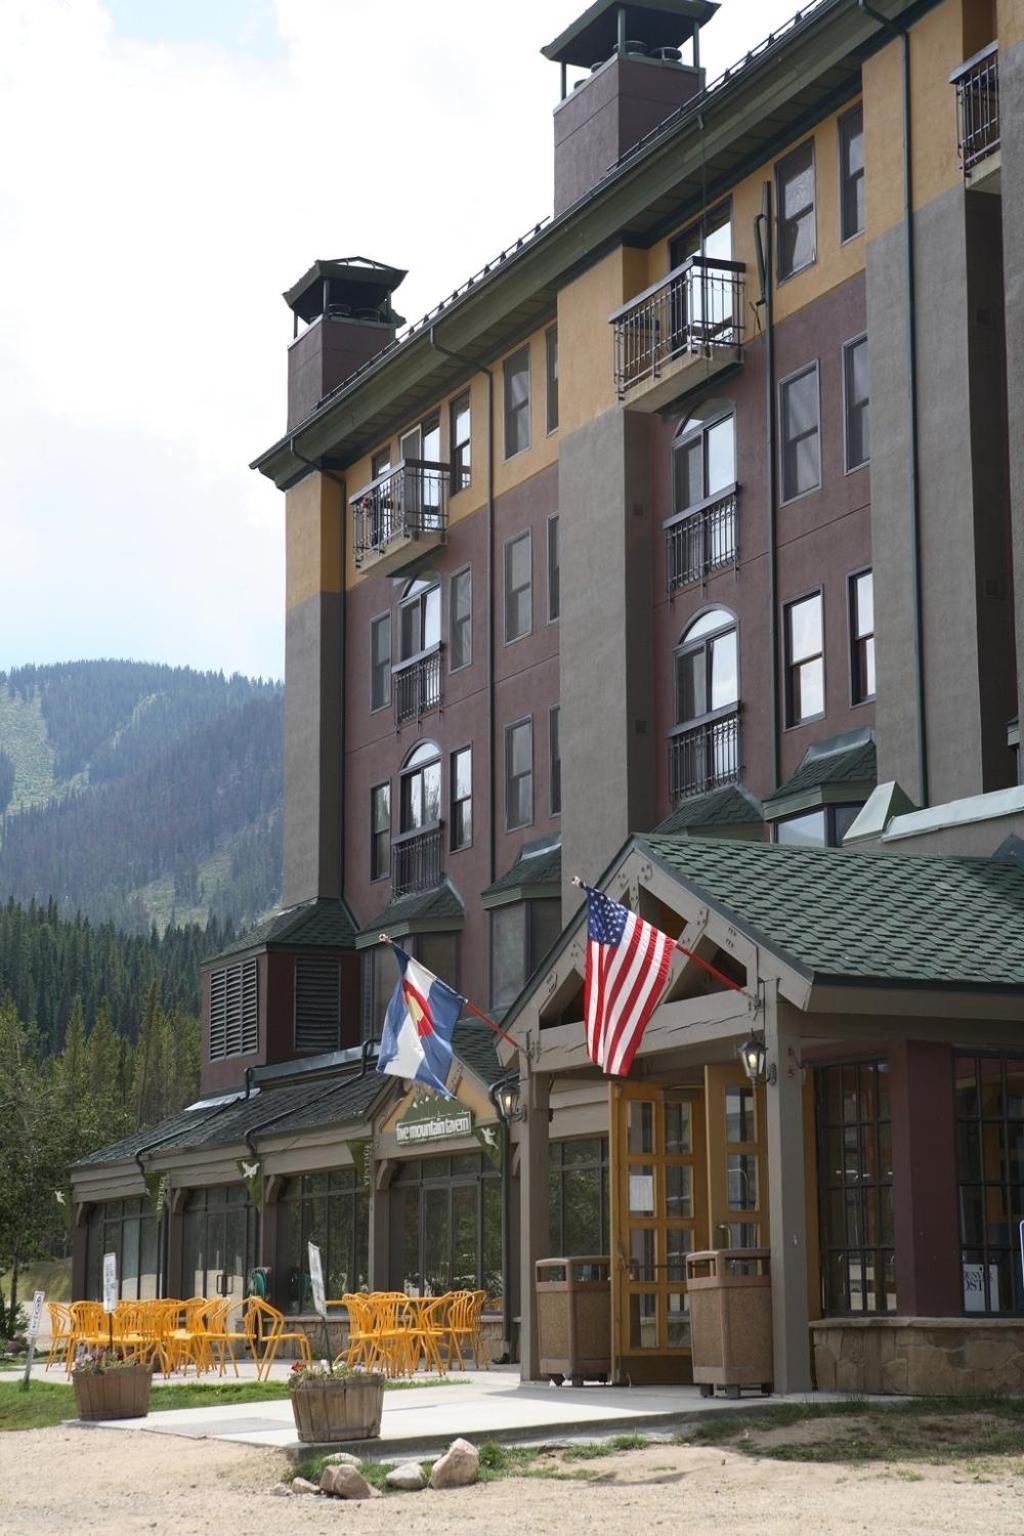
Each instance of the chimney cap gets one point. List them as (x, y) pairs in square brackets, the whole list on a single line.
[(658, 23), (353, 279)]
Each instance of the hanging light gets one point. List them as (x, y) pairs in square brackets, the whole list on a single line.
[(505, 1098), (753, 1055)]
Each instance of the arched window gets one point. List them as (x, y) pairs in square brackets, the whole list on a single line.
[(701, 535), (420, 799), (704, 746)]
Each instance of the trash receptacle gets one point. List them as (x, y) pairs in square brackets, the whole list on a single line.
[(730, 1299), (574, 1318)]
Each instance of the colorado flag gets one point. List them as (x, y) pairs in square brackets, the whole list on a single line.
[(416, 1041)]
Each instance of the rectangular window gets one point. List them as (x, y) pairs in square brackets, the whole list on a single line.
[(380, 661), (518, 587), (858, 1262), (578, 1196), (551, 371), (805, 660), (856, 395), (380, 832), (555, 761), (801, 433), (446, 1226), (794, 195), (554, 594), (317, 1003), (517, 402), (234, 1013), (460, 619), (378, 983), (461, 796), (862, 636), (332, 1211), (989, 1098), (851, 173), (381, 462), (518, 775), (461, 448)]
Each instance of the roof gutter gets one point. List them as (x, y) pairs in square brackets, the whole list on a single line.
[(282, 1114)]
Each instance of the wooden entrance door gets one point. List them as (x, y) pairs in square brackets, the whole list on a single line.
[(659, 1214)]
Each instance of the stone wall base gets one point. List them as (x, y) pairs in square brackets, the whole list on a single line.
[(926, 1356), (337, 1330)]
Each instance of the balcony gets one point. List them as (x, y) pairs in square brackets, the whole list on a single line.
[(705, 756), (400, 516), (416, 862), (416, 686), (977, 105), (680, 333), (701, 540)]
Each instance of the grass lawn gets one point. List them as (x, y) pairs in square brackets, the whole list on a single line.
[(51, 1402)]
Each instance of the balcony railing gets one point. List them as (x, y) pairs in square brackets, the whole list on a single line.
[(409, 502), (704, 756), (702, 540), (697, 308), (416, 862), (977, 104), (417, 686)]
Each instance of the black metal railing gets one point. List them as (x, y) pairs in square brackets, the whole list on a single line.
[(417, 686), (702, 541), (704, 756), (409, 501), (416, 862), (697, 307), (977, 105)]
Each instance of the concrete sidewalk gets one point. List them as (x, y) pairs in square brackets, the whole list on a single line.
[(423, 1421)]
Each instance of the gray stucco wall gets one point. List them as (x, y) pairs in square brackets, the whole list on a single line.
[(959, 496), (1011, 95), (312, 754), (606, 674)]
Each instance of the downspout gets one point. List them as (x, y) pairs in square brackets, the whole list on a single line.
[(282, 1114), (764, 247), (902, 31), (342, 588), (492, 776)]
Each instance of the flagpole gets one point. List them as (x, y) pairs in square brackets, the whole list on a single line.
[(385, 938)]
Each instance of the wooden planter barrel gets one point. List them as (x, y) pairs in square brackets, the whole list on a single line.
[(122, 1393), (348, 1408)]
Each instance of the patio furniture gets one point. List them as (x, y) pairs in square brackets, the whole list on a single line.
[(61, 1330)]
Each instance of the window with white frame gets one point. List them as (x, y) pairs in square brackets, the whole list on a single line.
[(519, 774), (804, 634), (794, 194), (518, 587), (800, 433)]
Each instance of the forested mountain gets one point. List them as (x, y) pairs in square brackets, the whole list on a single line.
[(139, 793)]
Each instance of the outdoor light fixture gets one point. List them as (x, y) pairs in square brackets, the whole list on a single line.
[(754, 1057), (505, 1098)]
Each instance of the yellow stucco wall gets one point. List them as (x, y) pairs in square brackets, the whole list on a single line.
[(1009, 22), (312, 539)]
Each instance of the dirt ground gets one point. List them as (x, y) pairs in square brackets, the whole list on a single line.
[(62, 1481)]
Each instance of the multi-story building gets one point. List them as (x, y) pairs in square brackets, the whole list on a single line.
[(687, 527)]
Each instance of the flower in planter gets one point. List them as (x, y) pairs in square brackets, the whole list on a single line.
[(303, 1375), (96, 1362)]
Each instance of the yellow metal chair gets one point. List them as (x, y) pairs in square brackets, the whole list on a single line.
[(61, 1332), (264, 1333)]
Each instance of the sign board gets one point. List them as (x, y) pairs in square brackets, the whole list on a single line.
[(110, 1282), (37, 1314), (975, 1299), (432, 1120), (316, 1277)]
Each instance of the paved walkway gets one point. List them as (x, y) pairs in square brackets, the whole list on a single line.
[(491, 1405)]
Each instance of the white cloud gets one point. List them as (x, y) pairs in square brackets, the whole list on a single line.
[(157, 201)]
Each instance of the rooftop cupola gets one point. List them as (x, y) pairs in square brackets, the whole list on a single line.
[(342, 317), (643, 61)]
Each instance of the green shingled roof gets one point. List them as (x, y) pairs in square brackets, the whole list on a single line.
[(476, 1044), (888, 918), (537, 871), (844, 765), (731, 806), (439, 908), (323, 923)]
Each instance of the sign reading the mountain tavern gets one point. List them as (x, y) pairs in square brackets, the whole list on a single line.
[(433, 1119)]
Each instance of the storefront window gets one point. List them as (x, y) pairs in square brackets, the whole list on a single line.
[(858, 1272), (331, 1210), (130, 1229), (446, 1227), (220, 1241), (989, 1092), (578, 1196)]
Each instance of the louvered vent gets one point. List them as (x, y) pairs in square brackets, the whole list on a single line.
[(317, 1003), (234, 1011)]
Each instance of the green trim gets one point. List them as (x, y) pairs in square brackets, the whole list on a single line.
[(402, 930), (543, 891), (854, 793)]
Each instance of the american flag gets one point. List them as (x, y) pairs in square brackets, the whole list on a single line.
[(627, 964)]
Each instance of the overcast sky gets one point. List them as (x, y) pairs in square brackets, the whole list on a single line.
[(169, 167)]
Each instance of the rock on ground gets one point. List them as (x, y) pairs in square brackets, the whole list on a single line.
[(347, 1483), (342, 1459), (409, 1477), (303, 1485), (459, 1466)]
